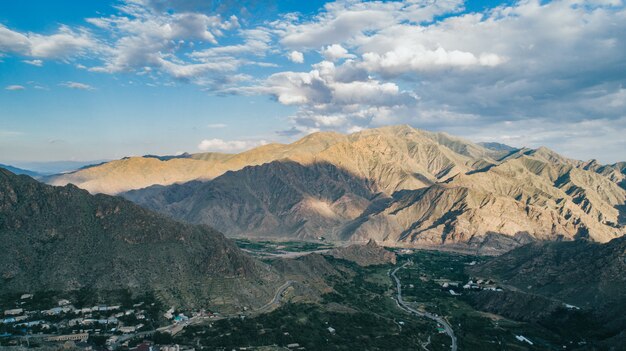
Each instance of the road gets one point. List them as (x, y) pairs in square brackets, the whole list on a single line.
[(403, 305), (277, 296), (176, 328)]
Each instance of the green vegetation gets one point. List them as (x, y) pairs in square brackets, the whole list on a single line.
[(360, 311), (363, 314)]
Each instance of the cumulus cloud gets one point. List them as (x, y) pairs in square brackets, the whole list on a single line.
[(77, 85), (335, 52), (221, 145), (428, 63), (557, 62), (15, 87), (64, 44), (296, 56)]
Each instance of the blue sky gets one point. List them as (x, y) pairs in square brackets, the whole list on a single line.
[(102, 80)]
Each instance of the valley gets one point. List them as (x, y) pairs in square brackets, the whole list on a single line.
[(341, 306), (386, 239)]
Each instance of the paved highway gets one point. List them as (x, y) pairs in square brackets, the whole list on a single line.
[(403, 305)]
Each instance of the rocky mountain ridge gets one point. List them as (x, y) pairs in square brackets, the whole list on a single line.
[(398, 185)]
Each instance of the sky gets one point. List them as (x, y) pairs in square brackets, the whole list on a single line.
[(94, 80)]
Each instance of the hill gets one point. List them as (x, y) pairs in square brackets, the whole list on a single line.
[(587, 275), (63, 239)]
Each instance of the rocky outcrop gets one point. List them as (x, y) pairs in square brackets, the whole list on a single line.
[(370, 254)]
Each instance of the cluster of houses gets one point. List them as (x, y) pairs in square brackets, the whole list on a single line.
[(482, 284), (66, 322), (455, 288)]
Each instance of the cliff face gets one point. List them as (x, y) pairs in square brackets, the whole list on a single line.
[(63, 238)]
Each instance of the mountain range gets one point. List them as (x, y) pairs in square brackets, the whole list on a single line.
[(65, 239), (398, 185)]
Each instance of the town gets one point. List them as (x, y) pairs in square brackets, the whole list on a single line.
[(98, 327)]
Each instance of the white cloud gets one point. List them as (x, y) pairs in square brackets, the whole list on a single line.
[(296, 56), (77, 85), (15, 87), (335, 52), (216, 125), (256, 42), (64, 44), (406, 59), (220, 145), (37, 63), (153, 39), (343, 21), (559, 62)]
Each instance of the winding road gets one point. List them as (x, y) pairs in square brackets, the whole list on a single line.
[(175, 328), (277, 297), (403, 305)]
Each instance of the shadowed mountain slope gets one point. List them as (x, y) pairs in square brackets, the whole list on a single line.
[(277, 199), (63, 238), (587, 275)]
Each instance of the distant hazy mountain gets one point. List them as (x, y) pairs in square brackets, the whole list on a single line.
[(56, 167), (403, 186), (16, 170), (63, 238)]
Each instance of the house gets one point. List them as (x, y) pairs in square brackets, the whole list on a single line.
[(53, 311), (13, 312), (293, 346), (71, 337), (453, 293), (26, 296), (127, 330), (63, 302), (169, 314), (84, 310), (331, 330), (29, 324)]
